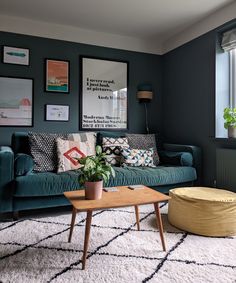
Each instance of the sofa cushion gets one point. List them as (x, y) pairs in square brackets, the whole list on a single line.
[(49, 183), (176, 158), (102, 134), (24, 164), (44, 150), (68, 153), (113, 147), (144, 141), (137, 157)]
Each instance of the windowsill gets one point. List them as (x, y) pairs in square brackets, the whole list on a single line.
[(224, 139)]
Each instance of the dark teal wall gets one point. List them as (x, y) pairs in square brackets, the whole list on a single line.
[(189, 99), (142, 68), (183, 108)]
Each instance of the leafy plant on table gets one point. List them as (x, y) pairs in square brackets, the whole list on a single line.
[(230, 117), (94, 168)]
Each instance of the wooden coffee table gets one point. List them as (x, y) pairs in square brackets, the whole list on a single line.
[(123, 198)]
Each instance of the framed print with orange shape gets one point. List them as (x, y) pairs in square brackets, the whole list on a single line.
[(57, 76)]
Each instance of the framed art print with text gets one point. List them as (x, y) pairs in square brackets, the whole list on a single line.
[(103, 94)]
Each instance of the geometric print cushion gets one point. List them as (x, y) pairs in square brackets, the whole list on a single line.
[(87, 137), (112, 148), (68, 152), (44, 150), (144, 141), (137, 157)]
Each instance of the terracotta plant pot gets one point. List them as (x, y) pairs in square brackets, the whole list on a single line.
[(231, 132), (93, 190)]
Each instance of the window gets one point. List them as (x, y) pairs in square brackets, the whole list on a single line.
[(225, 80), (232, 78)]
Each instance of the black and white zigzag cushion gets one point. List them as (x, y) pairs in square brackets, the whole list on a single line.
[(112, 147), (43, 149)]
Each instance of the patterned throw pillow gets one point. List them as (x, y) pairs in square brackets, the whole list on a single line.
[(112, 147), (137, 157), (44, 150), (78, 145), (68, 151), (87, 137), (141, 141)]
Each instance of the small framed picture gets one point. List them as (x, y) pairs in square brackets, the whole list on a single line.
[(57, 76), (57, 112), (15, 55)]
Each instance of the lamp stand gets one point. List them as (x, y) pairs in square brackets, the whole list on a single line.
[(146, 118)]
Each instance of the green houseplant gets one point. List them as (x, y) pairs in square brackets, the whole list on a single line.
[(94, 172), (230, 121)]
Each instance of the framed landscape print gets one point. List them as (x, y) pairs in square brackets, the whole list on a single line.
[(15, 55), (16, 102), (57, 112), (57, 76), (103, 94)]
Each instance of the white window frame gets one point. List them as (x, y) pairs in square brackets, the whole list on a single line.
[(232, 78)]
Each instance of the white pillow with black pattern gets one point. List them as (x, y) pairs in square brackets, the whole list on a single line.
[(43, 149), (144, 141), (112, 147), (137, 157)]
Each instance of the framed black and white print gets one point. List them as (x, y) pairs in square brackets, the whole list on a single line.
[(103, 94), (16, 102), (55, 112), (15, 55)]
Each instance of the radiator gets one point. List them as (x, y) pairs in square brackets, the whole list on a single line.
[(226, 169)]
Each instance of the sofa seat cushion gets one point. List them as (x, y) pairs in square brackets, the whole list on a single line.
[(44, 184), (157, 176)]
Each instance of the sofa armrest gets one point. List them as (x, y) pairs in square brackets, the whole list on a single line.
[(194, 150), (6, 178), (176, 158)]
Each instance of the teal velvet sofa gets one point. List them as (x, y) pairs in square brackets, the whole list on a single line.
[(22, 189)]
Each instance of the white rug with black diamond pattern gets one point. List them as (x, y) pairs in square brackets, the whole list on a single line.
[(36, 250)]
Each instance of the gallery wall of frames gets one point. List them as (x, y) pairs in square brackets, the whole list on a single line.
[(50, 85)]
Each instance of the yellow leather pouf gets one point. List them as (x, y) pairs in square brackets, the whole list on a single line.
[(203, 211)]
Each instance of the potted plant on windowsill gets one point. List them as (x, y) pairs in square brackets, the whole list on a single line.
[(93, 173), (230, 121)]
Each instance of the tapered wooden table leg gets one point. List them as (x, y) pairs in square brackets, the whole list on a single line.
[(74, 211), (86, 238), (159, 224), (137, 216)]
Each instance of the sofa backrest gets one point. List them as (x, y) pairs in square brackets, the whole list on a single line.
[(20, 142)]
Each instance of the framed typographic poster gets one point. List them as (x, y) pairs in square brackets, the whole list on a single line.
[(103, 94), (57, 76), (16, 102)]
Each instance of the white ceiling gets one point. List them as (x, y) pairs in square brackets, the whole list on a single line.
[(138, 18), (150, 19)]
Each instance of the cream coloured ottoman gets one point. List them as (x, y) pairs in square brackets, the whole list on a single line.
[(203, 211)]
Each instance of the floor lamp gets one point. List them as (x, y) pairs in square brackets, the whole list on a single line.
[(145, 96)]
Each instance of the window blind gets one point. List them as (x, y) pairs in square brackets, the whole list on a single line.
[(229, 40)]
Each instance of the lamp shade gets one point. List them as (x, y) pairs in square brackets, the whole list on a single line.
[(144, 94)]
